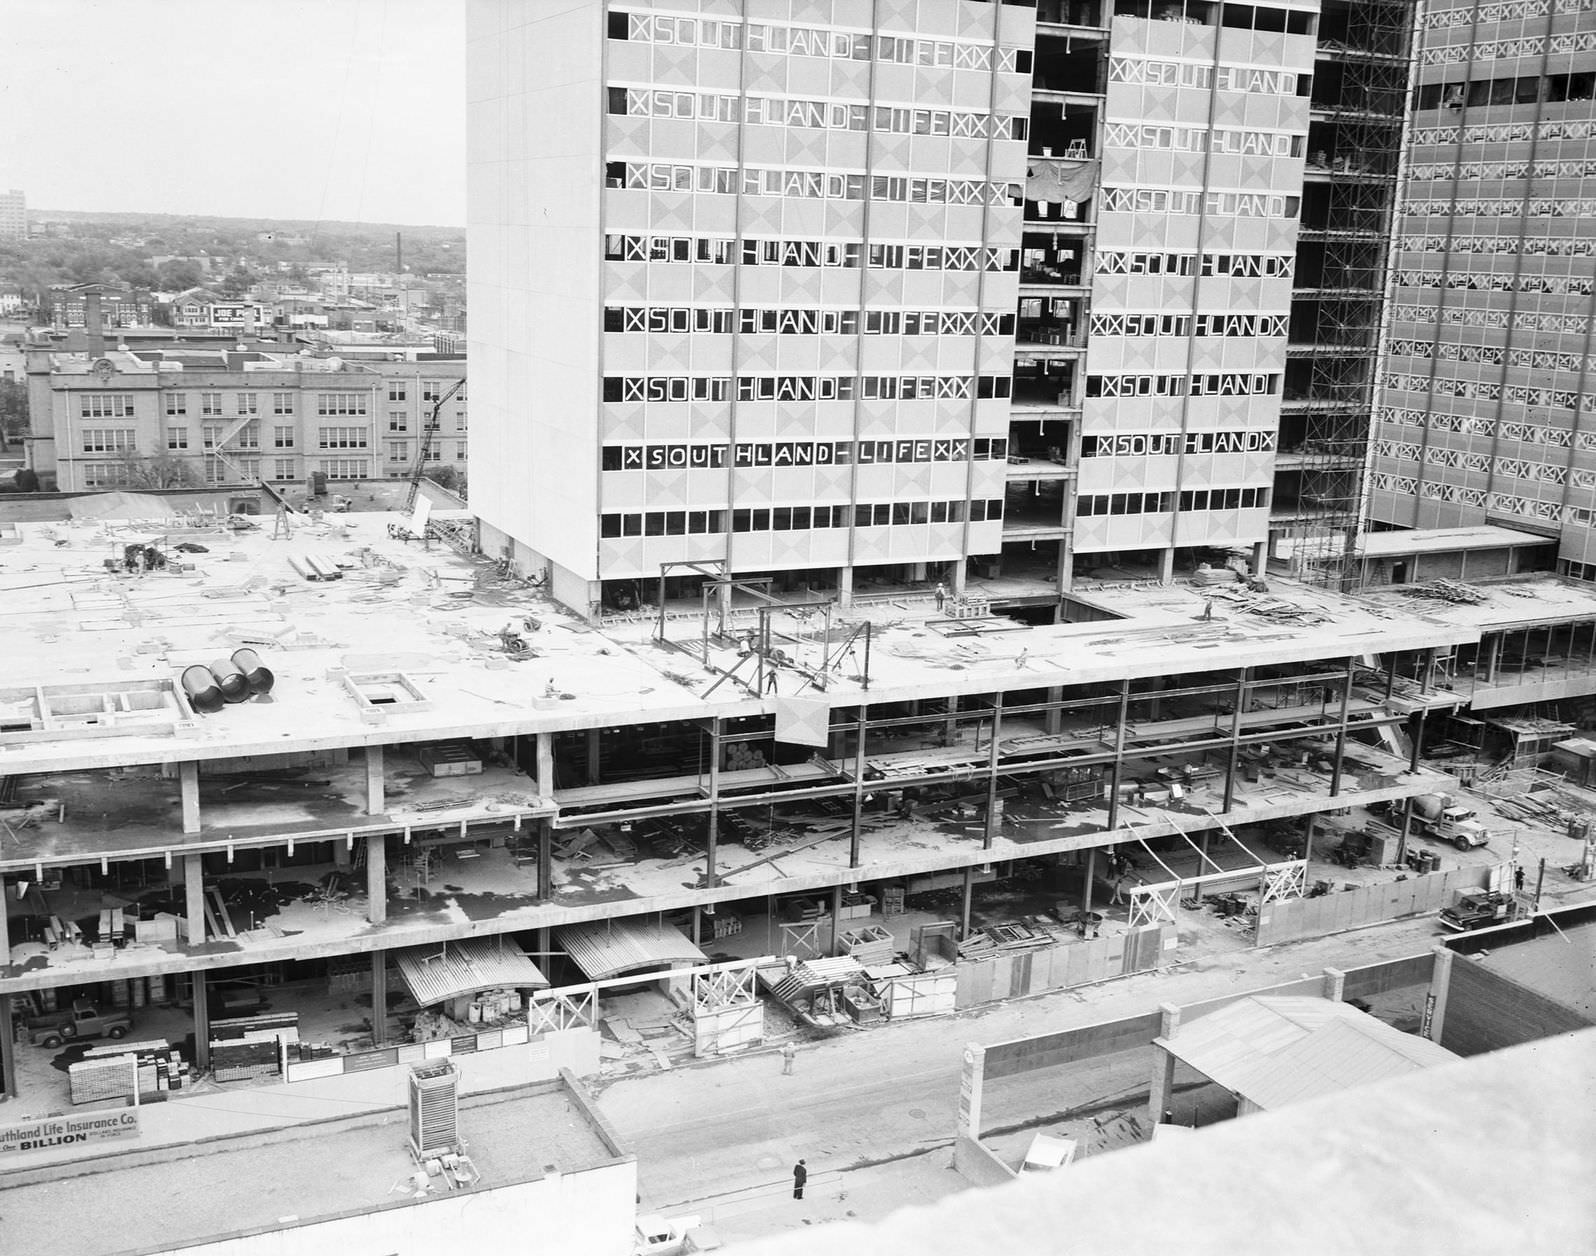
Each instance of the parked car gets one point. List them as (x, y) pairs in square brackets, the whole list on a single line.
[(81, 1020)]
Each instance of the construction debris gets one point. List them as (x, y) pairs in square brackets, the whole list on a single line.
[(1454, 591)]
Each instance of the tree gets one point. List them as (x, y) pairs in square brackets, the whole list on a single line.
[(158, 470), (448, 477)]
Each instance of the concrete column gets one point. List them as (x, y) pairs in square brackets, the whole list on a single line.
[(845, 587), (1335, 985), (545, 764), (956, 576), (856, 834), (950, 728), (379, 997), (1054, 719), (202, 1021), (1233, 756), (836, 916), (992, 800), (545, 861), (8, 1052), (1166, 566), (712, 821), (964, 907), (1091, 875), (594, 746), (1260, 559), (1162, 1085), (5, 941), (194, 898), (376, 803), (188, 786), (376, 878), (1435, 1000)]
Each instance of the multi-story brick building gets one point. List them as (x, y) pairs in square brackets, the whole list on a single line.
[(237, 416)]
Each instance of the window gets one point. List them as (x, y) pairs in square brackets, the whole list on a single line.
[(283, 469), (340, 403), (398, 451), (211, 403), (249, 436), (105, 406), (459, 422), (432, 390), (105, 474), (459, 451), (397, 390), (342, 438), (282, 403), (282, 438), (248, 403), (211, 433), (104, 440), (177, 438), (345, 468), (176, 404), (398, 421)]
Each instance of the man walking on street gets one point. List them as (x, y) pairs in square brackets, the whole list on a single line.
[(787, 1054), (1518, 879), (800, 1175)]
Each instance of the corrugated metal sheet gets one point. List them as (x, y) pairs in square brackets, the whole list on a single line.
[(608, 948), (1277, 1051), (452, 970)]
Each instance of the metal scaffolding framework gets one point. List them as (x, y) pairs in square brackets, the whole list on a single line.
[(1355, 140)]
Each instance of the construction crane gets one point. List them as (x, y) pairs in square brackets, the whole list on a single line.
[(427, 432)]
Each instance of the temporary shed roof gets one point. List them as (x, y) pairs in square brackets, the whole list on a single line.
[(1277, 1051), (451, 970), (609, 948)]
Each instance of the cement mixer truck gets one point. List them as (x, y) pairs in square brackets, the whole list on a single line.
[(1441, 816)]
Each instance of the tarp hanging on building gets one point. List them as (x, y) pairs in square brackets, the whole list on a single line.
[(1055, 179), (803, 721)]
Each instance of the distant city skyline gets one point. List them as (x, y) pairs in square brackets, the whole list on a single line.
[(347, 110)]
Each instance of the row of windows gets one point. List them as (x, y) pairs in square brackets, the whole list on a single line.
[(1224, 384), (1486, 390), (1234, 325), (1523, 89), (798, 518), (724, 251), (1508, 207), (800, 453), (1139, 200), (1531, 246), (1163, 444), (825, 185), (1472, 316), (1234, 265), (750, 321), (821, 115), (1519, 169), (340, 403), (105, 405), (1467, 15), (812, 41), (1226, 141), (1484, 50), (801, 387), (342, 438), (1474, 425), (1491, 281), (1149, 72), (1163, 503), (104, 440), (1493, 355), (1505, 132)]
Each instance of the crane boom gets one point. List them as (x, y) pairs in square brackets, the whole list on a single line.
[(427, 431)]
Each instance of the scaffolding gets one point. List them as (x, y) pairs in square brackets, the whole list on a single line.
[(1359, 100)]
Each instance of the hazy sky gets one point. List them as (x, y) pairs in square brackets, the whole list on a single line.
[(313, 109)]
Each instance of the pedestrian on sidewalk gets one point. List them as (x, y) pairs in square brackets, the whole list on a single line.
[(800, 1175), (1119, 891), (788, 1053), (942, 595), (1518, 879)]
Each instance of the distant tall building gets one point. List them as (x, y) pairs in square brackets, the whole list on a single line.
[(13, 215), (1489, 410), (916, 291)]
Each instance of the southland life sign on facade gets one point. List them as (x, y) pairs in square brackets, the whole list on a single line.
[(65, 1131)]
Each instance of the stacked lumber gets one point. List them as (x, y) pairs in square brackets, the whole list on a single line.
[(108, 1072)]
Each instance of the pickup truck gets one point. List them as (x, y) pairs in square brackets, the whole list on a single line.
[(82, 1020), (1476, 910)]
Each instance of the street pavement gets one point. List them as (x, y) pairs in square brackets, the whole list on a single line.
[(873, 1112)]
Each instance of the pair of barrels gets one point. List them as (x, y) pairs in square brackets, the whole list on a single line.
[(235, 679)]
